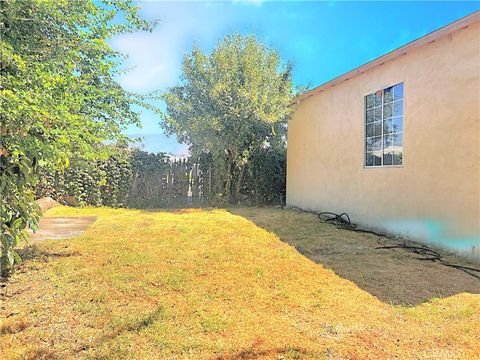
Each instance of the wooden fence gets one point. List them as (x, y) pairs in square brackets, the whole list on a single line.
[(178, 183)]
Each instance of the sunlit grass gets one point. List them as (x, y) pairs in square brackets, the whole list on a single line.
[(206, 284)]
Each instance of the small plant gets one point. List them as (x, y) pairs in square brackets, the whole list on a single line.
[(17, 208)]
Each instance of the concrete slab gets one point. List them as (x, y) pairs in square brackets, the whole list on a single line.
[(60, 228)]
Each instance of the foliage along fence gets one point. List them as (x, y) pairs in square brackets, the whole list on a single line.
[(138, 179), (105, 182), (128, 179)]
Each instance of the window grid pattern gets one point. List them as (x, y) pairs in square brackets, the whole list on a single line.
[(384, 127)]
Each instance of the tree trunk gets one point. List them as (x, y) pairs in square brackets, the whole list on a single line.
[(238, 186), (209, 182), (228, 185)]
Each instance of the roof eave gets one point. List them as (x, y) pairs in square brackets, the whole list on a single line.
[(426, 39)]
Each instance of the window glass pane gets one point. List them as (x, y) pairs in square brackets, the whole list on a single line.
[(397, 149), (377, 128), (374, 143), (377, 160), (387, 111), (397, 140), (369, 159), (368, 144), (388, 159), (398, 91), (378, 99), (387, 126), (387, 141), (370, 101), (398, 108), (388, 151), (369, 129), (370, 116), (397, 158), (398, 124), (378, 113), (388, 95)]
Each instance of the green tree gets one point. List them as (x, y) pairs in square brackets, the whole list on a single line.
[(58, 96), (230, 103)]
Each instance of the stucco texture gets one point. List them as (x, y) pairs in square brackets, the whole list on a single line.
[(435, 194)]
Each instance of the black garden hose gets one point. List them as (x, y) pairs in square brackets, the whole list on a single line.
[(342, 221)]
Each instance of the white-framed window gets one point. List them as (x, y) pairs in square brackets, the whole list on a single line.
[(384, 127)]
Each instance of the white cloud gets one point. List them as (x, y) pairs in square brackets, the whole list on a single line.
[(156, 57), (154, 61)]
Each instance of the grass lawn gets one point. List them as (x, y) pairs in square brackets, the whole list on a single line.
[(211, 284)]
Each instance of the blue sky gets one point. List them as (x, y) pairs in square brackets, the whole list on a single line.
[(322, 39)]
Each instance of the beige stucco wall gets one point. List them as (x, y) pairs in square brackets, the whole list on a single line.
[(439, 182)]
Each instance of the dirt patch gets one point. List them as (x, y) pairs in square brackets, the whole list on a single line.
[(392, 275), (59, 228)]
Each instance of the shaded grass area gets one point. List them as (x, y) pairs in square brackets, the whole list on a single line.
[(393, 276), (206, 284)]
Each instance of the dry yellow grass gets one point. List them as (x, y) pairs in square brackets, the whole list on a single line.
[(206, 284)]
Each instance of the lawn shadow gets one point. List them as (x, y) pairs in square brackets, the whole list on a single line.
[(36, 253), (180, 210), (394, 276), (252, 353), (33, 252)]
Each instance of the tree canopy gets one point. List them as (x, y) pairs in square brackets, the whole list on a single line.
[(58, 95), (230, 104)]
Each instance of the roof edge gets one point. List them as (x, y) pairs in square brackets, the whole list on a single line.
[(402, 50)]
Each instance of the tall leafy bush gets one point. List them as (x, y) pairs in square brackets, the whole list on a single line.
[(58, 96)]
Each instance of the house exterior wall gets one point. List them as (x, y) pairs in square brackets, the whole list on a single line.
[(435, 194)]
